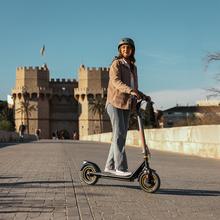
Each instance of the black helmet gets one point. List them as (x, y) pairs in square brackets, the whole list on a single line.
[(126, 41)]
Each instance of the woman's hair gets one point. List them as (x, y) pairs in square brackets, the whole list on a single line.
[(131, 58)]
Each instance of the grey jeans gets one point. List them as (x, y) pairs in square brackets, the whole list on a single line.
[(117, 158)]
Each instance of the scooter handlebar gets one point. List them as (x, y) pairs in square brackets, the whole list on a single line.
[(143, 103), (144, 97)]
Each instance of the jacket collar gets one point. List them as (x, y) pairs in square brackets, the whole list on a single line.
[(125, 63)]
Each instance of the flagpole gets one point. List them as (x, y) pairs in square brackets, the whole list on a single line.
[(42, 52)]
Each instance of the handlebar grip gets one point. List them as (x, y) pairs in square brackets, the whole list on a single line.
[(144, 97)]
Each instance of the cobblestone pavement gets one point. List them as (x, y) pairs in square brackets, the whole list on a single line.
[(40, 181)]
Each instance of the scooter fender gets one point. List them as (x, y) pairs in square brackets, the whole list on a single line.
[(86, 163), (147, 171)]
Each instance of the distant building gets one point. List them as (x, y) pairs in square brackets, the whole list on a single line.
[(208, 103), (191, 115)]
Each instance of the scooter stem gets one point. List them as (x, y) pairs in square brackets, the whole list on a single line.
[(142, 137)]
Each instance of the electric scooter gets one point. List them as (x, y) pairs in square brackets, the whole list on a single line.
[(148, 179)]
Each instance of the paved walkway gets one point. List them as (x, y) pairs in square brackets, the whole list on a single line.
[(40, 181)]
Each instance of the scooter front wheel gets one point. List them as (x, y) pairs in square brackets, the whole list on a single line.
[(87, 175), (149, 181)]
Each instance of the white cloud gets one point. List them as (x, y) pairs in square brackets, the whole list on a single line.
[(169, 98)]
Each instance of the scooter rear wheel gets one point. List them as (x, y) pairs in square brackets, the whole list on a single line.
[(149, 182), (86, 175)]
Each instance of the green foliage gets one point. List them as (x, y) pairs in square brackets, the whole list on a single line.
[(213, 57), (6, 125), (6, 117), (149, 117), (97, 106), (26, 109), (7, 114), (3, 105)]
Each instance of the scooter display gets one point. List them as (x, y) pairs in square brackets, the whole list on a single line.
[(148, 179)]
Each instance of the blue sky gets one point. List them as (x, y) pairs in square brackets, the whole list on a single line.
[(172, 38)]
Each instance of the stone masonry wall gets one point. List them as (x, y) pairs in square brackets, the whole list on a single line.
[(203, 141)]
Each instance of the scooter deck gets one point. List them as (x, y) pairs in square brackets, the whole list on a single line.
[(106, 175)]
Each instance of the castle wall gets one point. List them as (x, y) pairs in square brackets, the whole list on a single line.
[(93, 78), (60, 104), (38, 114), (32, 90), (32, 77), (64, 107), (33, 86), (93, 83), (42, 121), (19, 117), (64, 114)]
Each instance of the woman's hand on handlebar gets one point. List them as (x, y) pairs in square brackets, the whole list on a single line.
[(140, 95), (145, 97), (136, 94)]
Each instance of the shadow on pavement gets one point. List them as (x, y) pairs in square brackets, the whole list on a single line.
[(189, 192), (34, 184), (179, 192), (27, 211), (9, 177), (2, 145), (18, 201), (8, 144)]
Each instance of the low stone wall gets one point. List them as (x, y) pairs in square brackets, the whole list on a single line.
[(203, 141), (8, 136)]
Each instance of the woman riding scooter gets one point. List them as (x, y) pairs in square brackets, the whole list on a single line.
[(122, 88)]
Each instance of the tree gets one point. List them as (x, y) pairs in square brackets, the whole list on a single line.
[(26, 109), (6, 117), (149, 117), (97, 106), (212, 57), (6, 125), (7, 114)]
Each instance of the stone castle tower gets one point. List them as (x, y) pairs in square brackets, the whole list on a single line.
[(92, 84), (43, 103), (59, 104)]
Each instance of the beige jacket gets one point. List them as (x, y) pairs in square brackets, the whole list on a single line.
[(119, 85)]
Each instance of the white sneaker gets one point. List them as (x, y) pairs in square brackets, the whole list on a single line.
[(122, 173), (106, 170)]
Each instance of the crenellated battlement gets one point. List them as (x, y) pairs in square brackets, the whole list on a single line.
[(92, 69), (61, 81), (32, 77), (31, 68), (97, 69), (22, 89)]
